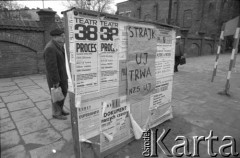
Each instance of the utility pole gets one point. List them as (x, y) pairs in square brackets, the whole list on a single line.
[(43, 3)]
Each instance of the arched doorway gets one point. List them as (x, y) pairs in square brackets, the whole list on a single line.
[(194, 50), (17, 60), (207, 49)]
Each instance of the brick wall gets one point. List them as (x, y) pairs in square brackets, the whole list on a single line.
[(17, 60), (21, 45)]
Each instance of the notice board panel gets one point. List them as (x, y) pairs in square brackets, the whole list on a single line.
[(121, 72)]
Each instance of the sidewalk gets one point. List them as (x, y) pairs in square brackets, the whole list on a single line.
[(28, 130)]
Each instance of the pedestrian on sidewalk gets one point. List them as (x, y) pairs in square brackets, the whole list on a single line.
[(54, 57), (178, 53)]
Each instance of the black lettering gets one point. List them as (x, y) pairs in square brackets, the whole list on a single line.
[(140, 32), (136, 74), (136, 31), (149, 72), (130, 31), (146, 56), (138, 61), (149, 34), (143, 73), (145, 32), (131, 72)]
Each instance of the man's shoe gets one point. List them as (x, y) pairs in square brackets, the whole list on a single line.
[(65, 113), (60, 117)]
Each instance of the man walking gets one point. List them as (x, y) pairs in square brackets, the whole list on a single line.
[(56, 73)]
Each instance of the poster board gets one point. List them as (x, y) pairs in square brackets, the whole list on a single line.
[(120, 67)]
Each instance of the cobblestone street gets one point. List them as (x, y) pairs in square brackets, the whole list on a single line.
[(29, 131)]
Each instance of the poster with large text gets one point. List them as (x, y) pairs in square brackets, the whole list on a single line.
[(87, 57), (115, 123), (142, 48), (108, 54)]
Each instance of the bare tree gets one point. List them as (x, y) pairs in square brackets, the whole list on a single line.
[(10, 5), (96, 5)]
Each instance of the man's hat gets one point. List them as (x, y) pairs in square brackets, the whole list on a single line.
[(178, 37), (56, 32)]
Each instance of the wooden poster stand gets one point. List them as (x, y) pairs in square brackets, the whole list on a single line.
[(90, 147)]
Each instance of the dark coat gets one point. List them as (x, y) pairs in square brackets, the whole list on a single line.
[(178, 49), (55, 63)]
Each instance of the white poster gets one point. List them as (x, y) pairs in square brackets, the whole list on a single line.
[(165, 54), (115, 123), (89, 115), (108, 54), (142, 48), (164, 92), (87, 57)]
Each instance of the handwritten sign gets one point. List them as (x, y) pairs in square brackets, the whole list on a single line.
[(142, 48)]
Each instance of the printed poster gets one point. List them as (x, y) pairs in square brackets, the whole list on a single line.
[(108, 54), (142, 48), (165, 54), (115, 123), (163, 94), (87, 57), (89, 115), (160, 115), (71, 24)]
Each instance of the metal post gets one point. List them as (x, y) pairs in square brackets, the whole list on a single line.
[(235, 45), (218, 53), (43, 3)]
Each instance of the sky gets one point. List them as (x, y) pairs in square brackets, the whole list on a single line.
[(56, 5)]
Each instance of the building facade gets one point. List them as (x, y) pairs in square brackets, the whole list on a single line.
[(200, 21)]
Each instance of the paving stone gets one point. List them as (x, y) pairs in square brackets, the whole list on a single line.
[(2, 105), (25, 114), (38, 95), (6, 84), (182, 108), (6, 125), (8, 88), (37, 77), (41, 83), (47, 151), (47, 113), (44, 137), (13, 92), (19, 105), (194, 100), (61, 124), (14, 98), (3, 80), (67, 134), (4, 113), (25, 84), (30, 89), (15, 152), (21, 79), (44, 104), (32, 124), (9, 139)]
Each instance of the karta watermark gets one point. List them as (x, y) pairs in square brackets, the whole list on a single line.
[(152, 144)]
